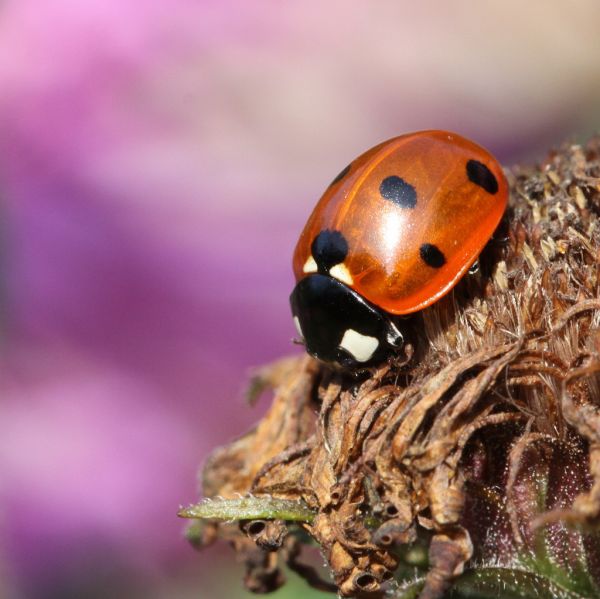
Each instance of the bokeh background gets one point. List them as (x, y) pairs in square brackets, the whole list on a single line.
[(158, 159)]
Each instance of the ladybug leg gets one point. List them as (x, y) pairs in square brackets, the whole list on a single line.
[(393, 336), (496, 246), (501, 234), (474, 267)]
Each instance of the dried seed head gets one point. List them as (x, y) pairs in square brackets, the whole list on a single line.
[(485, 439), (267, 534)]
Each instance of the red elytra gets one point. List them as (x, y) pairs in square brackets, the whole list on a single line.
[(415, 212)]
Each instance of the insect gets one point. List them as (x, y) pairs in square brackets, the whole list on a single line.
[(393, 233)]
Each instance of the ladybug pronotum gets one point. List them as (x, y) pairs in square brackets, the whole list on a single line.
[(393, 233)]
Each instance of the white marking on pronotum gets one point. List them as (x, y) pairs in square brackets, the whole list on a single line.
[(298, 327), (310, 265), (341, 273), (361, 347)]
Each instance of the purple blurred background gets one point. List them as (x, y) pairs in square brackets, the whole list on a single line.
[(158, 160)]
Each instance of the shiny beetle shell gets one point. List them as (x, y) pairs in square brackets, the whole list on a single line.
[(406, 220)]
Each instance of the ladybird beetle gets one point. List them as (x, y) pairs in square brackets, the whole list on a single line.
[(393, 233)]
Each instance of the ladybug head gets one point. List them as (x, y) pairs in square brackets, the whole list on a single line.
[(339, 326)]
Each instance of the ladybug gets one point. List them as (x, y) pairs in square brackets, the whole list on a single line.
[(393, 233)]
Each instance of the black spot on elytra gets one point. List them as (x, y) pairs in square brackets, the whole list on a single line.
[(328, 249), (400, 192), (432, 255), (341, 175), (481, 175)]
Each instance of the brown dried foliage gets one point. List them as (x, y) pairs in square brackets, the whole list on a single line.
[(450, 443)]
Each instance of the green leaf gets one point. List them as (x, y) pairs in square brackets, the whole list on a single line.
[(575, 577), (409, 590), (508, 583), (558, 553), (494, 582), (250, 508)]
